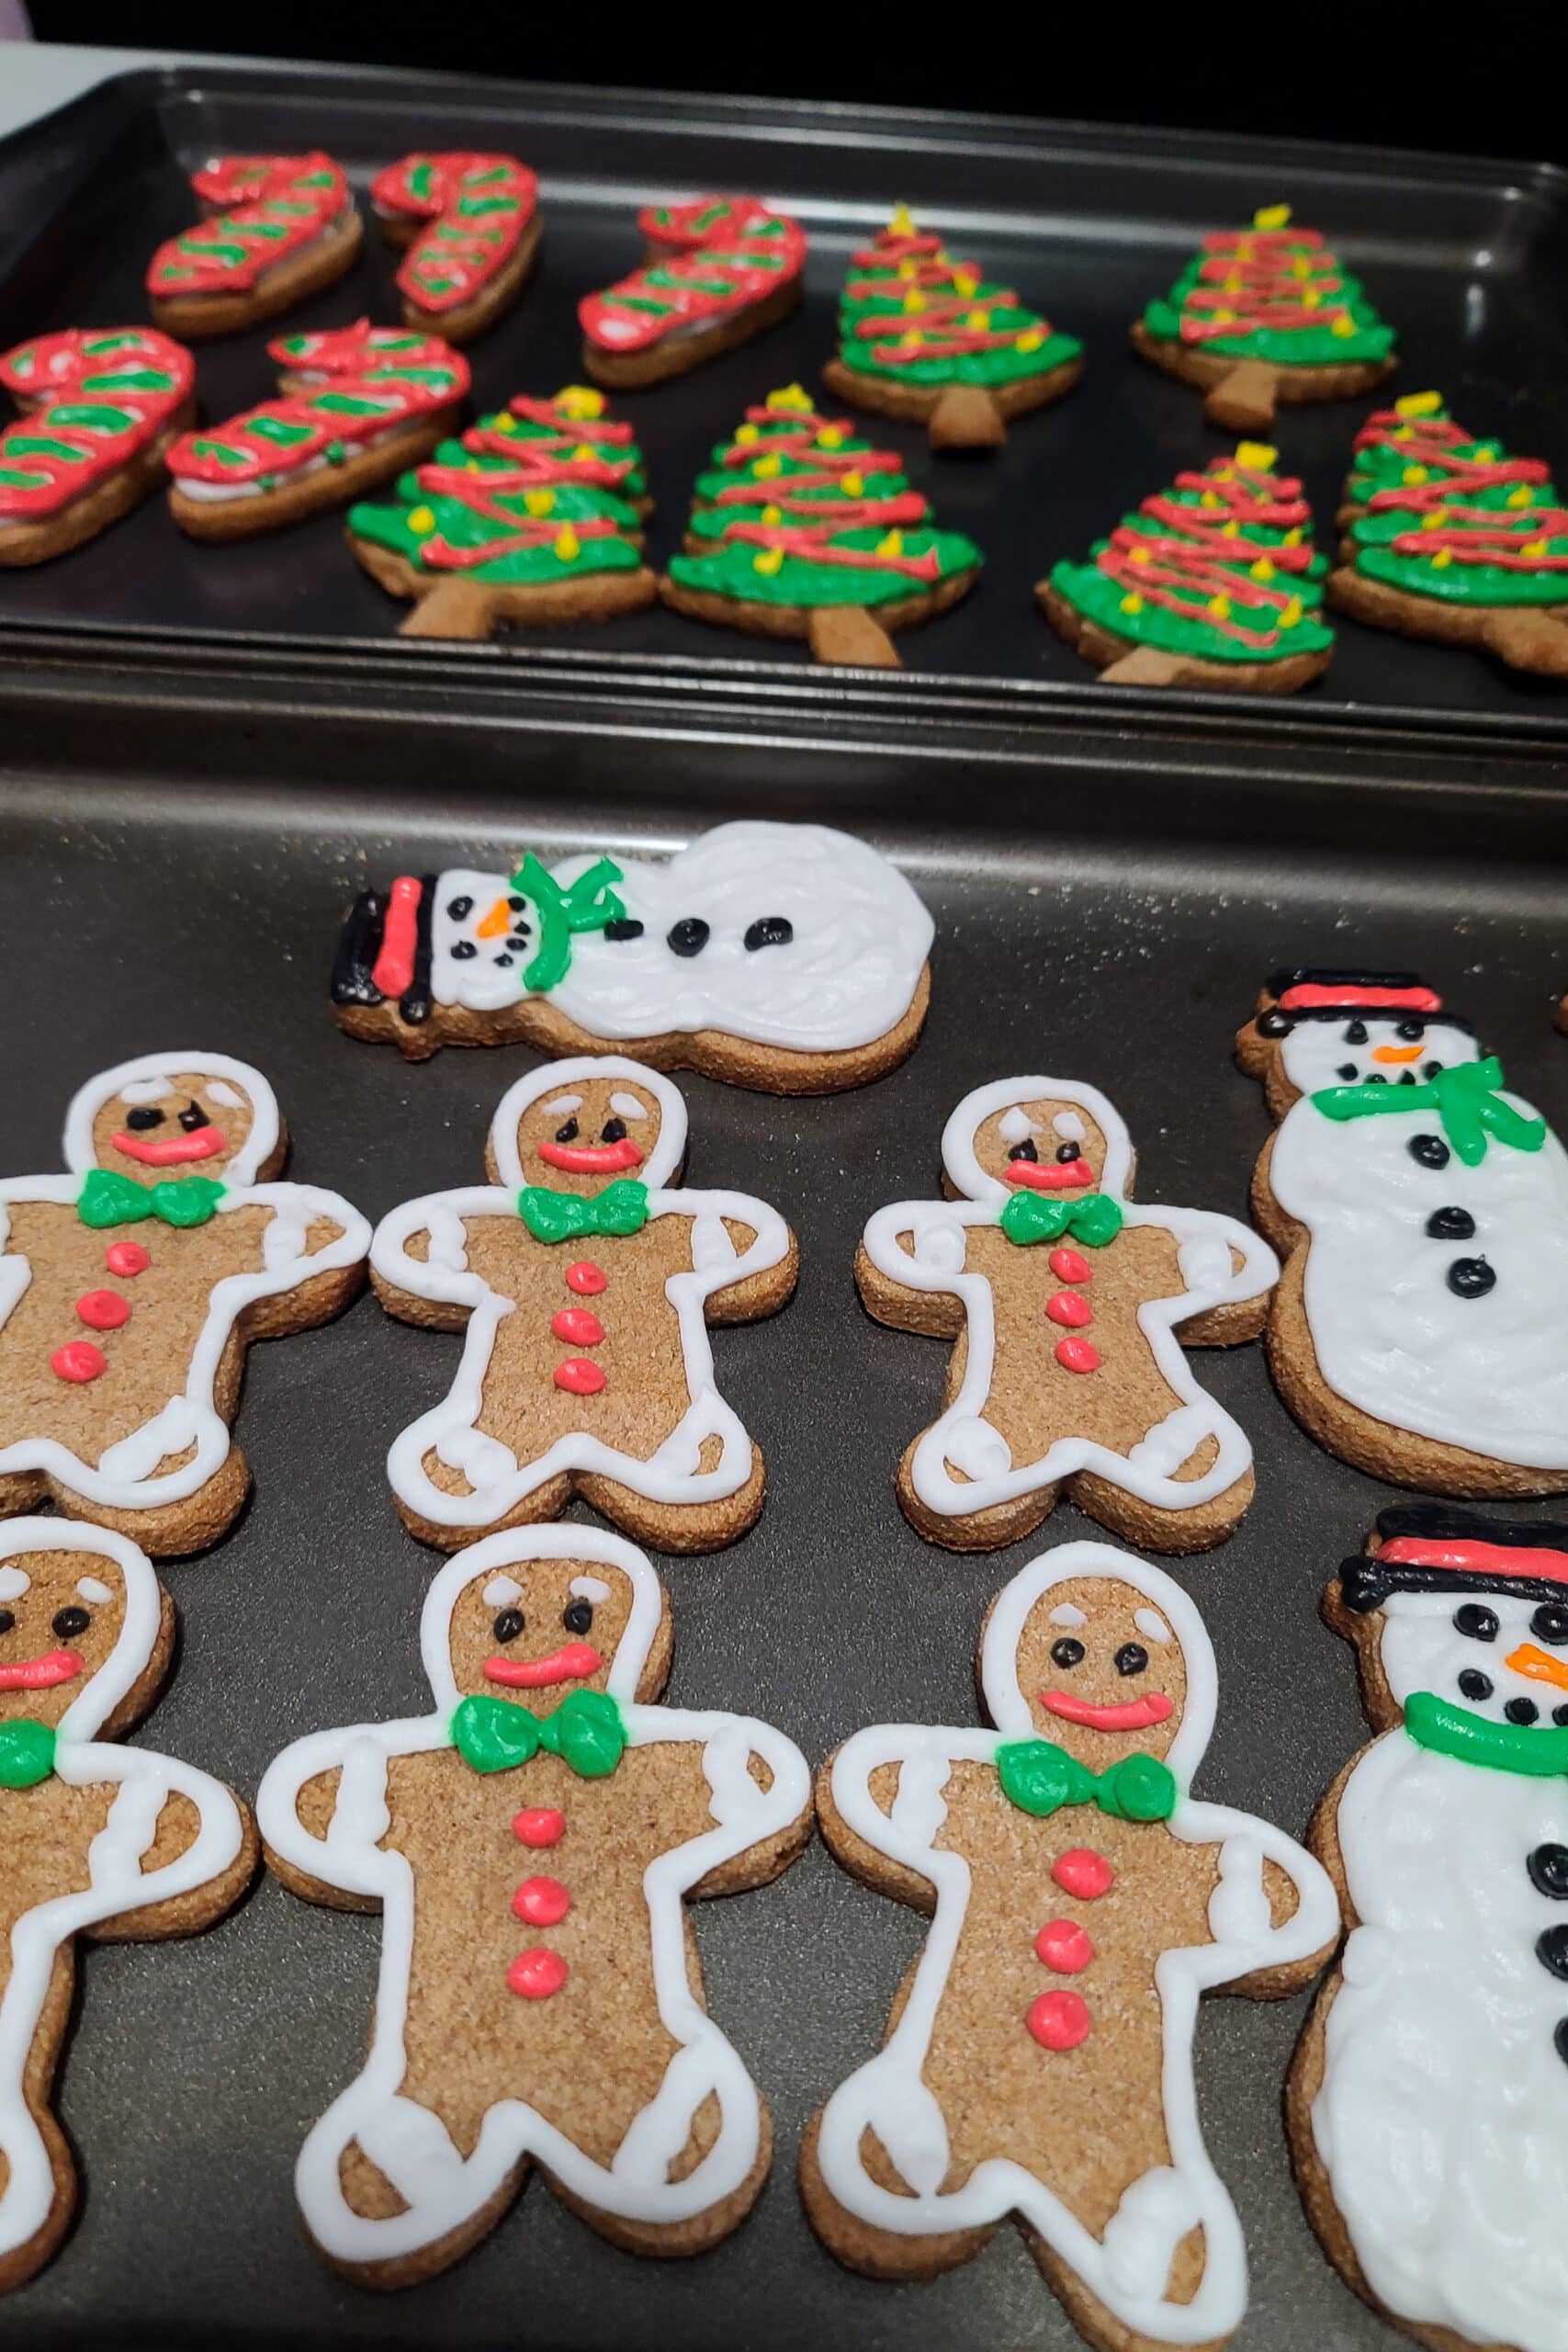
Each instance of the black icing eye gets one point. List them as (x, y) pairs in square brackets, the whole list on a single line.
[(566, 1134), (69, 1622), (1024, 1150), (191, 1118), (1549, 1623), (1451, 1224), (1068, 1152), (144, 1115), (687, 937), (462, 951), (1471, 1278), (459, 908), (1430, 1151), (1521, 1711), (1066, 1652), (1348, 1069), (771, 931), (613, 1131), (577, 1616), (1355, 1032), (508, 1625), (1474, 1684), (1131, 1659), (1430, 1069), (623, 927), (515, 905), (1412, 1032), (1480, 1623), (7, 1620)]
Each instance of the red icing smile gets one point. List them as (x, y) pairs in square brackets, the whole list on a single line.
[(592, 1159), (170, 1151), (41, 1673), (572, 1664), (1125, 1715), (1049, 1175)]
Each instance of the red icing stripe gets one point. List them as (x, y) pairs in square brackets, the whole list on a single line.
[(393, 967), (1475, 1558), (1308, 993), (715, 257)]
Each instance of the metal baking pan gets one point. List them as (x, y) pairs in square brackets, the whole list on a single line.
[(1100, 912), (1465, 257)]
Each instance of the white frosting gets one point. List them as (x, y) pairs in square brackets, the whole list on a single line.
[(1488, 1374), (1067, 1614), (502, 1592), (1127, 2269), (407, 2141), (123, 1478), (1317, 1053), (939, 1232), (847, 976), (498, 1481), (92, 1589), (589, 1588), (14, 1582), (1151, 1624), (116, 1880), (564, 1104), (626, 1106)]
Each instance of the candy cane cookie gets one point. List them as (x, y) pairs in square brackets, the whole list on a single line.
[(717, 272), (277, 228), (100, 409), (471, 226)]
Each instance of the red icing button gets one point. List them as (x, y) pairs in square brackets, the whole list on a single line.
[(1076, 1355), (586, 1279), (78, 1359), (1068, 1308), (1058, 2020), (1070, 1266), (103, 1310), (127, 1257), (1083, 1872), (541, 1901), (583, 1378), (1063, 1945), (538, 1825), (579, 1326), (537, 1974)]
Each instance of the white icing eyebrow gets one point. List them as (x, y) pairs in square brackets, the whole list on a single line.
[(145, 1090), (219, 1091), (14, 1582), (626, 1106), (1150, 1622), (562, 1102), (502, 1592), (1064, 1613), (590, 1589), (91, 1589), (1068, 1124), (1014, 1126)]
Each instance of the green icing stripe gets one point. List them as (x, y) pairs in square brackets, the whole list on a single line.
[(1099, 597), (731, 572)]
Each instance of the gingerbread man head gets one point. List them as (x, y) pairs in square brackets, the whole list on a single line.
[(1039, 1134), (168, 1115), (85, 1629), (537, 1612), (578, 1125), (1103, 1656), (1316, 1028)]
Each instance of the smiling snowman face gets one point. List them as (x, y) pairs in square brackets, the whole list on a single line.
[(483, 932), (1499, 1655), (1359, 1048)]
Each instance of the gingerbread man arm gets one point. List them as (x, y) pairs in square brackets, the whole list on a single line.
[(177, 1849), (323, 1811), (742, 1251), (881, 1806), (1225, 1271), (1263, 1943), (758, 1824), (419, 1261), (909, 1266), (16, 1270), (313, 1251)]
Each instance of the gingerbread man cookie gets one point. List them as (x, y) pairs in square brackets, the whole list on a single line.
[(1071, 1307), (532, 1844), (1429, 2103), (587, 1283), (1040, 2059), (95, 1840), (130, 1286)]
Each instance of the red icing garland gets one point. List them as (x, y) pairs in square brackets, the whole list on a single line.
[(1185, 572), (79, 368), (1243, 279), (721, 253)]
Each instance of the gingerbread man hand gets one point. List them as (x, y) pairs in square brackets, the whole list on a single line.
[(587, 1278)]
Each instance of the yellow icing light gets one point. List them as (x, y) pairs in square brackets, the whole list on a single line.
[(580, 401), (1133, 604), (1436, 519), (772, 516), (1140, 555), (768, 560), (1413, 474), (1030, 340), (764, 468), (1405, 433), (830, 438), (852, 483), (1301, 268), (1486, 451), (473, 467), (1534, 550), (1222, 318), (1311, 297), (569, 547), (1229, 531), (1231, 285), (1418, 404), (1521, 497), (905, 269), (1291, 613), (1442, 560), (506, 422), (1262, 569), (901, 224), (965, 284), (1220, 606), (794, 399), (912, 341), (914, 300), (1255, 457), (584, 450), (421, 519), (1207, 498), (978, 320), (1272, 216), (1291, 539), (892, 545), (747, 433), (540, 502), (1343, 325)]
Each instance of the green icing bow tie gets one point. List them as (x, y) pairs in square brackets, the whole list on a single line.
[(585, 1731), (549, 1215), (1040, 1778), (27, 1753), (109, 1198), (1464, 1098), (1091, 1217), (1540, 1750)]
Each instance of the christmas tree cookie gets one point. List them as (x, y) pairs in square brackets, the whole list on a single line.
[(799, 529), (1266, 314), (1212, 582), (1450, 537), (923, 335), (534, 515)]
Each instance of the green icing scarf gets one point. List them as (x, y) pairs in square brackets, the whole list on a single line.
[(1091, 1217), (549, 1215), (1540, 1750), (1464, 1098), (587, 904), (1040, 1778), (108, 1198), (585, 1731), (27, 1753)]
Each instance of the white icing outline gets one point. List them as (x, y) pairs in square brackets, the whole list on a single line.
[(122, 1479), (497, 1481), (939, 1230), (442, 2189), (1124, 2270), (117, 1882)]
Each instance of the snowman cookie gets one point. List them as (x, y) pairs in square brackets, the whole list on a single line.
[(1071, 1308), (116, 1843), (532, 1844), (586, 1281), (130, 1286), (1039, 2061), (1420, 1329), (1428, 2102), (792, 958)]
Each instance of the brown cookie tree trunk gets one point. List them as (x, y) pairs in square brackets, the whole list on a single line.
[(456, 607), (1244, 400), (847, 634), (966, 417)]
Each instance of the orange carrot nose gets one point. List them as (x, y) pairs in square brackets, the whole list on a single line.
[(1396, 1052), (1539, 1665), (498, 920)]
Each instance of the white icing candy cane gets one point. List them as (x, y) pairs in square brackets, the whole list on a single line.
[(123, 1478), (441, 2188), (116, 1880), (1127, 2269)]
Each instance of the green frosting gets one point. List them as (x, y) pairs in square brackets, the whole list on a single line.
[(586, 1731), (1004, 364), (1466, 1099), (389, 527), (1039, 1777), (1309, 346), (27, 1753), (620, 1208), (109, 1198), (1094, 594), (1537, 1750), (1457, 582), (1093, 1218), (731, 571)]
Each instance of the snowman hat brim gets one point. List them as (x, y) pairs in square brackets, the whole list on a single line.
[(1424, 1547)]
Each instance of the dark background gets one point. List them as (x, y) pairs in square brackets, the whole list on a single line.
[(1388, 77)]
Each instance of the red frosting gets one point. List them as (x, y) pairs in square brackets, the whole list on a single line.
[(538, 1825), (1059, 2020), (1063, 1945), (78, 1361), (103, 1310), (541, 1902), (585, 1278), (1081, 1872), (579, 1378), (538, 1974), (579, 1326), (1068, 1308), (720, 256), (126, 1258), (467, 249), (1076, 1355)]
